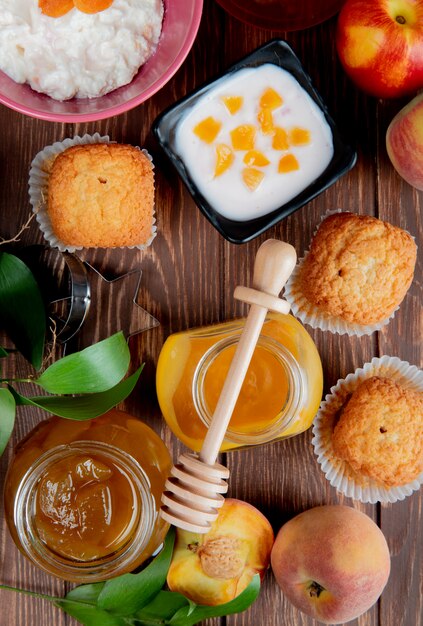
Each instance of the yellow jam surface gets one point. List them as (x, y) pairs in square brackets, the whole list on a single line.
[(85, 506), (263, 393), (85, 502)]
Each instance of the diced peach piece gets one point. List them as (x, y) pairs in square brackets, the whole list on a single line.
[(55, 8), (243, 137), (288, 163), (208, 129), (265, 118), (233, 103), (252, 177), (254, 157), (270, 99), (92, 6), (280, 139), (299, 136), (225, 158)]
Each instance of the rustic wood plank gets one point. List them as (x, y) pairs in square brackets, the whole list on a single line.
[(400, 204)]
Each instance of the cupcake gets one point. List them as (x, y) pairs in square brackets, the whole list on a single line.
[(92, 193), (368, 434), (355, 275), (380, 432)]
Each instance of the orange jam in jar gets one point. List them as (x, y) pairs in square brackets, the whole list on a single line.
[(280, 395), (82, 498)]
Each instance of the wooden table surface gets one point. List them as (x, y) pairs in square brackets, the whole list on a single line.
[(189, 274)]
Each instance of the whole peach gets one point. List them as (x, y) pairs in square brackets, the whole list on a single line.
[(331, 562), (380, 45), (404, 142)]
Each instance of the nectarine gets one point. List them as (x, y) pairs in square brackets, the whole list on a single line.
[(216, 567), (380, 45), (331, 562), (404, 142)]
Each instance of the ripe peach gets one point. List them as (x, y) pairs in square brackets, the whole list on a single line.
[(216, 567), (331, 562), (380, 43), (404, 142)]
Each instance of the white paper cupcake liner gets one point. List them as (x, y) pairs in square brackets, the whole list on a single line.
[(338, 472), (308, 313), (38, 188)]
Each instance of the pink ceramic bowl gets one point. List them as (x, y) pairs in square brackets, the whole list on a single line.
[(180, 25)]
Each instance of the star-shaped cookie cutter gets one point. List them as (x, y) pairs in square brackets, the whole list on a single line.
[(79, 313), (87, 318)]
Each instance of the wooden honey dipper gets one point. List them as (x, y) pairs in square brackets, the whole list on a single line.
[(193, 493)]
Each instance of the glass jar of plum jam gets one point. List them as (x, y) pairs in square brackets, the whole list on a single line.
[(82, 498)]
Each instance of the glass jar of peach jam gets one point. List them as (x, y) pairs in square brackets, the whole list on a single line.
[(280, 395), (82, 498)]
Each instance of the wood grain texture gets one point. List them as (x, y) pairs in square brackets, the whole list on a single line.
[(188, 277), (402, 522)]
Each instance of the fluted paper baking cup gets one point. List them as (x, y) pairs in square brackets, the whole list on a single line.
[(38, 188), (309, 313), (337, 471)]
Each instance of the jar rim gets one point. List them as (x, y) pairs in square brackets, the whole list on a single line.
[(112, 564), (286, 414)]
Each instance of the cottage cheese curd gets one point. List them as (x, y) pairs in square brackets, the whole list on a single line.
[(253, 142), (79, 54)]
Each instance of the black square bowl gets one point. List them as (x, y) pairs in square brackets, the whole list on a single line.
[(279, 53)]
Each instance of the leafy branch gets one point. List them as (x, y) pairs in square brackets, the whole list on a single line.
[(141, 599), (82, 385)]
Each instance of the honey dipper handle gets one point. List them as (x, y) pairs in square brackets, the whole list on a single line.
[(273, 265)]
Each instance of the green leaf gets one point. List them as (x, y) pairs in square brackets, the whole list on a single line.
[(131, 592), (7, 417), (81, 407), (3, 353), (183, 617), (163, 606), (86, 593), (22, 313), (97, 368), (89, 615), (85, 612), (90, 604)]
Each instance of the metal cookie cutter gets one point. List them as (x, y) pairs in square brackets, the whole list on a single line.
[(76, 303), (79, 298)]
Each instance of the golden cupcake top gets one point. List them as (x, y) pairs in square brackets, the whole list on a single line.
[(359, 268), (101, 195), (380, 431)]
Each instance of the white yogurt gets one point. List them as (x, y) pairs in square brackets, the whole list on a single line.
[(227, 193), (79, 54)]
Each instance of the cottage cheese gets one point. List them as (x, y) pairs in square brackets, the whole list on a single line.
[(77, 55)]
